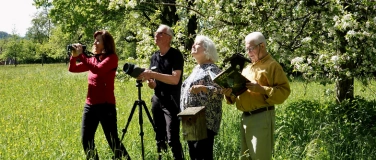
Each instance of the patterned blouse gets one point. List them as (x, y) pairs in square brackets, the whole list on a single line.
[(212, 100)]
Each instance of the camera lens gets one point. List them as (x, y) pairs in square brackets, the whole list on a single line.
[(128, 68), (132, 70)]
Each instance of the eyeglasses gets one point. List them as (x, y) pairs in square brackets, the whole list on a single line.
[(250, 49), (159, 33)]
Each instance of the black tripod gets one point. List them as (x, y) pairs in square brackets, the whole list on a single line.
[(140, 104)]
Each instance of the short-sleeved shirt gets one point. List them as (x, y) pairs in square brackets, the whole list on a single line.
[(172, 60)]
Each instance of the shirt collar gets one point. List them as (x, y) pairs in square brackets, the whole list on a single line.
[(265, 58)]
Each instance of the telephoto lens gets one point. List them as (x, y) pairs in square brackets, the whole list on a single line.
[(132, 70)]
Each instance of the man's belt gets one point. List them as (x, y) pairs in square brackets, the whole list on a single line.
[(259, 110)]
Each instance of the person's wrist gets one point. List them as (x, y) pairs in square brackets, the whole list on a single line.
[(152, 75)]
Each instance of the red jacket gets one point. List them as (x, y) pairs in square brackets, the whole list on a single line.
[(101, 76)]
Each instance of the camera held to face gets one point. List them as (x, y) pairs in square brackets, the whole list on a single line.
[(70, 47)]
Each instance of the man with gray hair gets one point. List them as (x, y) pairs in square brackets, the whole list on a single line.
[(165, 77), (268, 86)]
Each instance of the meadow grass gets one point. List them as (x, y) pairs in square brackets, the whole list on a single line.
[(42, 106)]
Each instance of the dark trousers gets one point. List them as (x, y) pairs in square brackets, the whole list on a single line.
[(202, 149), (106, 115), (167, 123)]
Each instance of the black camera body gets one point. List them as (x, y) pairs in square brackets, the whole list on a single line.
[(70, 47)]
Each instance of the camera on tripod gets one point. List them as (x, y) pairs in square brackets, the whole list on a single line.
[(132, 70)]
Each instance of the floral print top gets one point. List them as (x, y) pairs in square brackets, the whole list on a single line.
[(212, 100)]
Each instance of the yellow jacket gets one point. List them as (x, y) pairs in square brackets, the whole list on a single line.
[(269, 74)]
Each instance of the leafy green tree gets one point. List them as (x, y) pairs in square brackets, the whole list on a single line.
[(2, 49), (325, 40), (12, 49), (333, 39), (40, 31), (81, 18), (328, 41), (56, 46), (144, 17), (334, 42)]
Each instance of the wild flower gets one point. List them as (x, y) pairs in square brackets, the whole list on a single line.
[(351, 33), (309, 60), (335, 18), (297, 60), (347, 17), (334, 59), (306, 39)]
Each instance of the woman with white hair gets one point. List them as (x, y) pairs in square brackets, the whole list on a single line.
[(200, 90)]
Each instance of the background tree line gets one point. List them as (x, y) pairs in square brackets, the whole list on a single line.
[(322, 40)]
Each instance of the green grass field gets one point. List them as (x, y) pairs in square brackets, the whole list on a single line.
[(41, 109)]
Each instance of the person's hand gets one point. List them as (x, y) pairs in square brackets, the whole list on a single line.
[(151, 83), (198, 88), (77, 50), (227, 92), (255, 87), (145, 75)]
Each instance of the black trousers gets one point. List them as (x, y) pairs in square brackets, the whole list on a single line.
[(165, 111), (202, 149), (106, 115)]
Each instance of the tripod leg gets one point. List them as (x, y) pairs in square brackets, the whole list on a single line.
[(129, 120), (140, 120), (159, 149), (148, 114)]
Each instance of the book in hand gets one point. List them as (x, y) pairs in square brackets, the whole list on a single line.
[(231, 78)]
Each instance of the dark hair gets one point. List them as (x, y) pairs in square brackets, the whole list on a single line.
[(108, 41)]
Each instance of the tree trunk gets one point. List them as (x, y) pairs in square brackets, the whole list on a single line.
[(15, 60), (42, 59), (344, 88), (192, 26), (344, 84), (169, 16)]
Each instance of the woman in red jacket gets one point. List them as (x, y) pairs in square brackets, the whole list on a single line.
[(100, 101)]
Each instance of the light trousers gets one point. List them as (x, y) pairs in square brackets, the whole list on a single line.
[(257, 140)]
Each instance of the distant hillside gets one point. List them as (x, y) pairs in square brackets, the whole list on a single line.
[(4, 35)]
